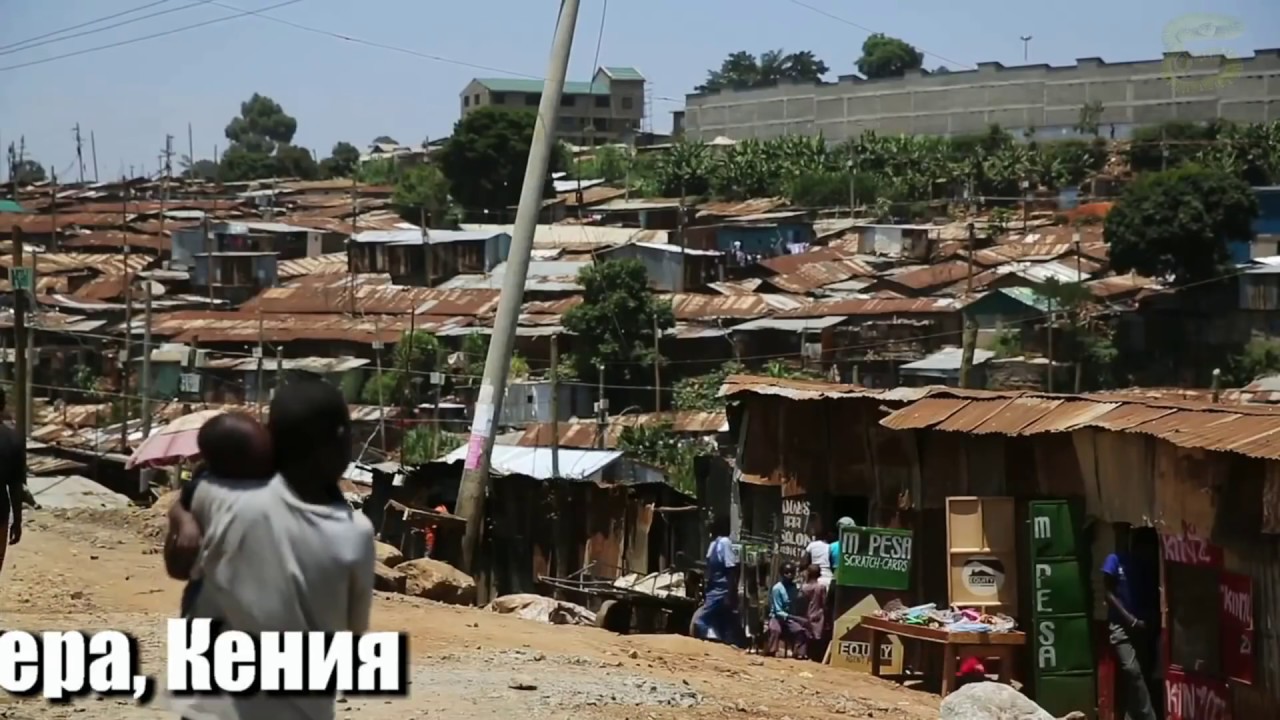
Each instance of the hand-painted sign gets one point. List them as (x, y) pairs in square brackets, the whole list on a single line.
[(1238, 658), (1188, 548), (1194, 697), (875, 558), (795, 528)]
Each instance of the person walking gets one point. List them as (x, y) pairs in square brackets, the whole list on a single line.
[(1128, 627), (13, 482), (717, 619)]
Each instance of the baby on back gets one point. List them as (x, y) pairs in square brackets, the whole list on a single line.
[(234, 448)]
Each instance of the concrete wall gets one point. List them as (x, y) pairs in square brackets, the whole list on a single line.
[(1177, 87)]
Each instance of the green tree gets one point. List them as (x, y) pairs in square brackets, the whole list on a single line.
[(260, 137), (1089, 121), (885, 57), (659, 445), (615, 322), (742, 70), (1177, 223), (685, 169), (385, 140), (200, 169), (28, 171), (423, 191), (475, 350), (414, 355), (422, 445), (1166, 146), (295, 161), (342, 161), (485, 158), (702, 392), (1259, 357), (1080, 333)]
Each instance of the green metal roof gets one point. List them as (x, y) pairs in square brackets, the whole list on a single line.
[(520, 85), (623, 73), (10, 206), (1028, 296)]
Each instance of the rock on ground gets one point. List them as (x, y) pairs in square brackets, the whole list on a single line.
[(990, 701), (388, 555), (388, 580), (527, 606), (435, 580)]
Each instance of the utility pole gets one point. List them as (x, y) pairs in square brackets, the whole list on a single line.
[(93, 146), (258, 392), (191, 153), (382, 410), (657, 366), (31, 357), (969, 339), (79, 152), (164, 183), (146, 358), (1049, 342), (20, 340), (54, 236), (488, 407), (1026, 43), (555, 406), (602, 409), (128, 329)]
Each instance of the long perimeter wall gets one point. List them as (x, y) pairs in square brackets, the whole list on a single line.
[(1040, 97)]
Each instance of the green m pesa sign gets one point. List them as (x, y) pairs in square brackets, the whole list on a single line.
[(877, 558)]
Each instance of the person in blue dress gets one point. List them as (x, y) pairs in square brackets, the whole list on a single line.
[(717, 619)]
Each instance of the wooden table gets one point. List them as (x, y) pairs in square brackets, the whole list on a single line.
[(955, 645)]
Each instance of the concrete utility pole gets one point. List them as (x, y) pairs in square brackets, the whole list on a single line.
[(93, 147), (146, 358), (475, 477), (168, 171), (20, 341), (79, 152)]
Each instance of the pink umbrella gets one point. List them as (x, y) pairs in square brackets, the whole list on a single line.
[(172, 443)]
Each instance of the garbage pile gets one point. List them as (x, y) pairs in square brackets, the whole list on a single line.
[(952, 619)]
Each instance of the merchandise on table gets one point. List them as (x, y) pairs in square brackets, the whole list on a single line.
[(950, 619)]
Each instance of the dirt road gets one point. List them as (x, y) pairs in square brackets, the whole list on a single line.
[(99, 570)]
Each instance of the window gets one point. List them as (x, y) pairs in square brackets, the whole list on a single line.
[(532, 100), (602, 101), (600, 124), (628, 103), (566, 124), (477, 99), (498, 98), (567, 100), (466, 101)]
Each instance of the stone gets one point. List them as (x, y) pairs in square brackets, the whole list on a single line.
[(435, 580), (522, 682), (990, 701), (388, 555), (388, 580)]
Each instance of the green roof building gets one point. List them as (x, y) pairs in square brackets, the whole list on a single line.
[(10, 206), (609, 108)]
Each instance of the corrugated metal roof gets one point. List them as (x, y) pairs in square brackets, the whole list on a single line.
[(783, 264), (736, 287), (812, 389), (943, 361), (535, 462), (875, 306), (581, 433), (1251, 430), (321, 264), (545, 276), (813, 276), (931, 276), (754, 206), (789, 324), (579, 236), (415, 236), (45, 224), (1110, 287), (107, 264), (317, 365), (692, 306), (374, 299), (242, 327), (115, 240)]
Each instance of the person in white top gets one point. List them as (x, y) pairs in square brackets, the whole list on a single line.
[(818, 552)]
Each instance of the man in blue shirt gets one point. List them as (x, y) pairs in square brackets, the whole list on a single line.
[(786, 622), (842, 523), (1128, 621), (717, 619)]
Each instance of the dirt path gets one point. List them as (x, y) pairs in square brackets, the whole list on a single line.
[(100, 570)]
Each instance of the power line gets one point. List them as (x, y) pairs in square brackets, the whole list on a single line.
[(394, 48), (141, 38), (85, 24), (869, 31), (104, 28)]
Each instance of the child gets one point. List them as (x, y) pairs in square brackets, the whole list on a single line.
[(288, 554), (234, 447), (815, 594)]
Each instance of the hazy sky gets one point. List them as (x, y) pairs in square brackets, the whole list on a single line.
[(131, 96)]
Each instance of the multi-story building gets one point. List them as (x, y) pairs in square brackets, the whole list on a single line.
[(1042, 98), (608, 109)]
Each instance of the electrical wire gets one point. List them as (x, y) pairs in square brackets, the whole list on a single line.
[(395, 48), (868, 30), (85, 24), (93, 31), (142, 38)]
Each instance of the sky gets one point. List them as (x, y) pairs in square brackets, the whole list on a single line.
[(130, 97)]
